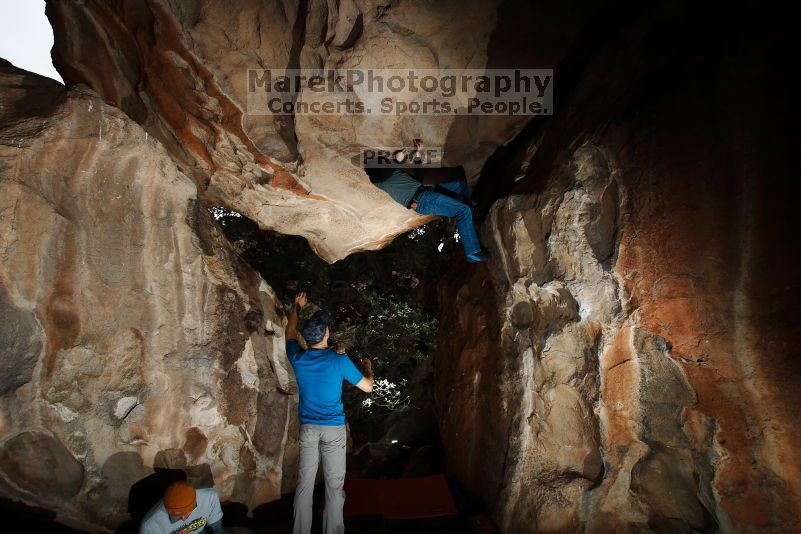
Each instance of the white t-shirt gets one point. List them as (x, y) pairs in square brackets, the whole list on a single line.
[(207, 512)]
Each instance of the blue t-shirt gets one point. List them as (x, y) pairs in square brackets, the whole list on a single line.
[(319, 373)]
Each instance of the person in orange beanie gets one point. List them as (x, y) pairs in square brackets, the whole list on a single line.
[(184, 510)]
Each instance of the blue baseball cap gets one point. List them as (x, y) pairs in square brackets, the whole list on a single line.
[(314, 329)]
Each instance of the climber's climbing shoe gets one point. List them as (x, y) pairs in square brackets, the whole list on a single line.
[(477, 257)]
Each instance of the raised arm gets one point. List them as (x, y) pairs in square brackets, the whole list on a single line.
[(292, 323), (366, 383)]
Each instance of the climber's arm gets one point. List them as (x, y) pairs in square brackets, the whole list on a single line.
[(366, 383), (418, 149), (292, 323), (351, 373)]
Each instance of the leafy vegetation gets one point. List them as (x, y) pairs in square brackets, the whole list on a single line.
[(383, 306)]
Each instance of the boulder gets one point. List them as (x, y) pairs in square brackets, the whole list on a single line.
[(627, 361), (125, 327)]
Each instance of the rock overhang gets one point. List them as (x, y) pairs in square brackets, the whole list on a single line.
[(181, 71)]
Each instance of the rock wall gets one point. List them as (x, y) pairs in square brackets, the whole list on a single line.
[(628, 360), (132, 336)]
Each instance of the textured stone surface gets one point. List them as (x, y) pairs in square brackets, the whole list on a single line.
[(180, 69), (131, 331), (628, 360), (555, 304), (40, 464), (20, 345), (575, 397)]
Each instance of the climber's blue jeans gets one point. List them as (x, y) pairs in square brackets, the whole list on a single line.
[(431, 202)]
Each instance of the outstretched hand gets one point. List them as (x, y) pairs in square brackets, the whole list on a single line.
[(292, 322)]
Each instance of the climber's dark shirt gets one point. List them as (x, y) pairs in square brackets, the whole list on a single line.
[(398, 183)]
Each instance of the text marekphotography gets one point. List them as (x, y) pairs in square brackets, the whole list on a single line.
[(400, 92)]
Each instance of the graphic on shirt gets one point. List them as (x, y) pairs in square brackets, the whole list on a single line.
[(191, 527)]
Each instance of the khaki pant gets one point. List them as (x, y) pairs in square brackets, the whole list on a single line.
[(329, 442)]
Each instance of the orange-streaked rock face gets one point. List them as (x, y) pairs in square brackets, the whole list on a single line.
[(674, 232), (181, 70), (133, 336), (644, 390), (700, 265)]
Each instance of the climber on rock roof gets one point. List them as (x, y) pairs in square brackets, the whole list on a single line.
[(319, 372), (448, 199)]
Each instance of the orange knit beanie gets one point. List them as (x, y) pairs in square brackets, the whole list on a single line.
[(179, 499)]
